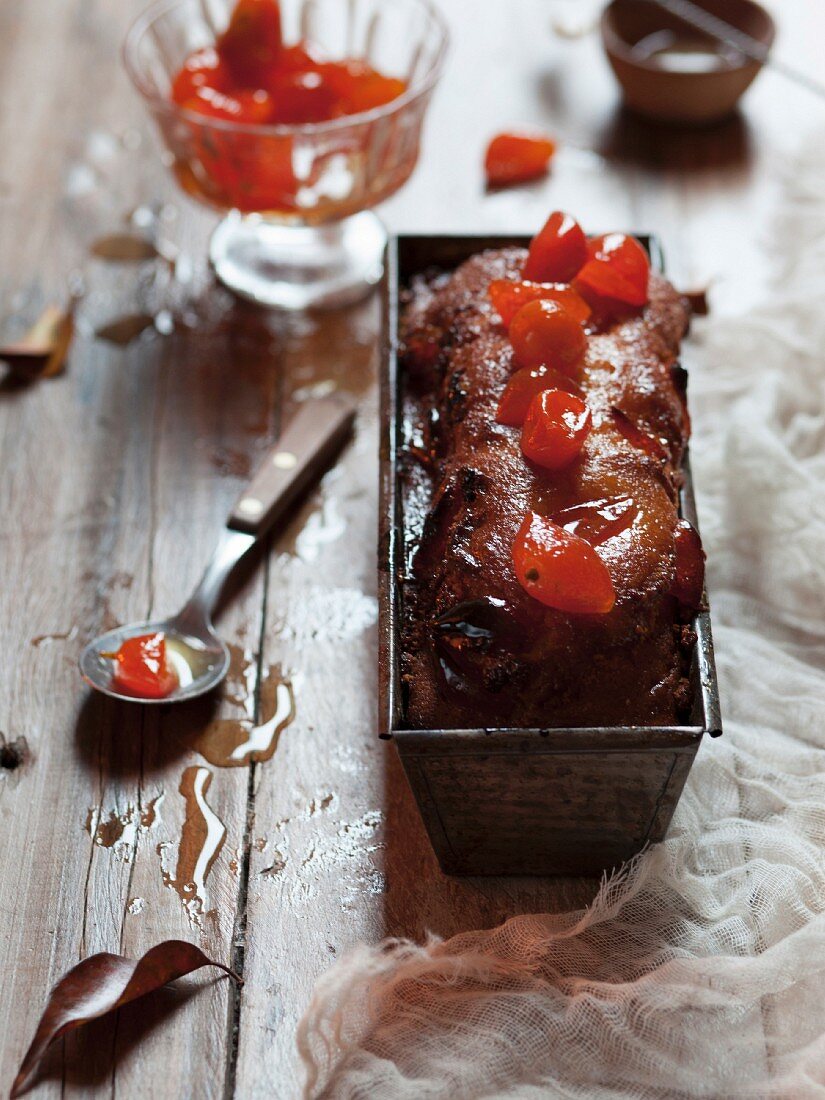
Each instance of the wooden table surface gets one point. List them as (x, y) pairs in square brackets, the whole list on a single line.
[(116, 478)]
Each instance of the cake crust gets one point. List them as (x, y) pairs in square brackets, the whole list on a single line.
[(478, 651)]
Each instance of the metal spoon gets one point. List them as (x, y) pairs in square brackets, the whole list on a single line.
[(307, 446)]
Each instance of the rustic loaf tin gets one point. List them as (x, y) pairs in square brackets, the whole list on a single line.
[(521, 801)]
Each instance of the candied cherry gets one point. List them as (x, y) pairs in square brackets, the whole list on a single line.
[(202, 69), (301, 96), (596, 521), (557, 252), (639, 437), (264, 176), (555, 428), (358, 87), (297, 58), (517, 158), (508, 297), (142, 668), (544, 333), (525, 385), (617, 271), (252, 42), (689, 581), (560, 569), (254, 108)]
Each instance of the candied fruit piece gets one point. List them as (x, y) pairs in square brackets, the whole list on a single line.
[(359, 87), (254, 108), (555, 428), (596, 521), (560, 569), (202, 69), (526, 384), (557, 252), (301, 96), (617, 271), (513, 158), (297, 58), (508, 298), (371, 90), (142, 668), (252, 42), (545, 334), (638, 437)]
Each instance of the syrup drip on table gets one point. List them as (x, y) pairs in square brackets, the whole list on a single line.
[(118, 829), (236, 743), (201, 840), (253, 716)]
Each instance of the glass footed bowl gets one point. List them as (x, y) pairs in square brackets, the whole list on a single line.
[(299, 232)]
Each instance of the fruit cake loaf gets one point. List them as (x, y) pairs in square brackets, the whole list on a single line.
[(551, 579)]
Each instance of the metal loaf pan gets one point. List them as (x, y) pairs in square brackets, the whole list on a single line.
[(520, 801)]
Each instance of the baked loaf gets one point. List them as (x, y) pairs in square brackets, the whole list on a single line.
[(479, 651)]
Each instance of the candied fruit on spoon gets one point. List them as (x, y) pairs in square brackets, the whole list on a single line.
[(557, 252), (555, 428), (617, 270), (544, 333), (142, 668), (526, 384), (508, 297), (560, 569), (517, 157)]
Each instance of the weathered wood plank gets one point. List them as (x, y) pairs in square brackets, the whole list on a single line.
[(64, 464), (117, 477)]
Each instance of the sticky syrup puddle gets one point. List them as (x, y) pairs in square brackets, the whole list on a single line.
[(224, 743), (236, 743), (200, 844), (239, 742), (119, 831)]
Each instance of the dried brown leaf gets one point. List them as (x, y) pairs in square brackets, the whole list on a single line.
[(123, 330), (103, 983), (42, 352), (124, 248)]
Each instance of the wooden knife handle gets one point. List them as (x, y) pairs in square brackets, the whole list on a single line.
[(305, 448)]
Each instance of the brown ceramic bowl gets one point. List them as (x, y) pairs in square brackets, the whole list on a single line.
[(672, 72)]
